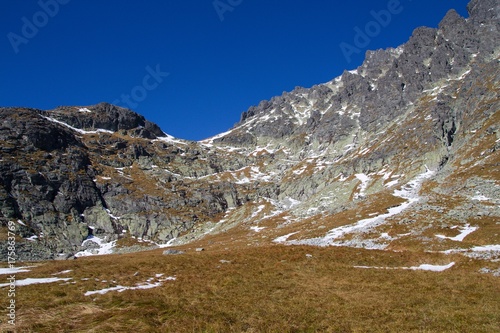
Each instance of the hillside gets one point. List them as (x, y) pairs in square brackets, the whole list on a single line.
[(341, 163), (367, 203)]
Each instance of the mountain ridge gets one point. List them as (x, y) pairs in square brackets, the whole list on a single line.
[(300, 164)]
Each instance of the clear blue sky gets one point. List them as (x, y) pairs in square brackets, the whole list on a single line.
[(219, 62)]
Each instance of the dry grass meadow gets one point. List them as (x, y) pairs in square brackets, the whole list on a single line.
[(270, 288)]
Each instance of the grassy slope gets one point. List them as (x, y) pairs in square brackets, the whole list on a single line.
[(263, 289)]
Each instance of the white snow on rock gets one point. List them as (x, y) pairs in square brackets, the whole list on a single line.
[(289, 203), (85, 110), (104, 247), (262, 150), (257, 229), (332, 238), (259, 209), (77, 129), (391, 183), (32, 238), (364, 184), (169, 243), (169, 139), (111, 215), (480, 197), (255, 175), (210, 141), (300, 170), (342, 178)]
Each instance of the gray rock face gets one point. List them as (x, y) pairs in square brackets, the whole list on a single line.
[(427, 103), (386, 83), (57, 181), (37, 159), (484, 11), (108, 117)]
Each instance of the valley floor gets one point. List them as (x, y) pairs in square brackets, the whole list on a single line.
[(272, 288)]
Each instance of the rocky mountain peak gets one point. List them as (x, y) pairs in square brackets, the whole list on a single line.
[(387, 81), (107, 117)]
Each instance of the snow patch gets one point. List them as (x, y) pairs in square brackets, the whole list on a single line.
[(145, 285), (433, 268), (104, 247), (364, 184), (14, 270), (169, 139), (111, 215), (300, 170), (255, 175), (391, 183), (342, 178), (210, 141), (257, 229), (464, 232), (486, 248), (259, 209), (480, 197), (261, 150), (29, 281), (423, 267), (167, 244), (289, 203), (283, 239), (485, 252), (77, 129)]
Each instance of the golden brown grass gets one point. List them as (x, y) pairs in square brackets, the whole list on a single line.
[(262, 289), (128, 241)]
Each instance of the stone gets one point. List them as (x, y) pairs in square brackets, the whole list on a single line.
[(172, 252)]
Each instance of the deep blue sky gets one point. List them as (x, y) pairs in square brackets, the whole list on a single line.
[(92, 51)]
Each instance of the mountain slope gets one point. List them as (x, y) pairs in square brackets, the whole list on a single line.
[(399, 154)]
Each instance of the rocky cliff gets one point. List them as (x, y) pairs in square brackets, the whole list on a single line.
[(386, 156)]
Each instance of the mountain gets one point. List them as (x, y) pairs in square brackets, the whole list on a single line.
[(401, 154)]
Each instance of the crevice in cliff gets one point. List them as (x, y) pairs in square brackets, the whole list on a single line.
[(449, 134)]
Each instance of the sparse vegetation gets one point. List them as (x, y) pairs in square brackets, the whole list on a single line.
[(262, 289)]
